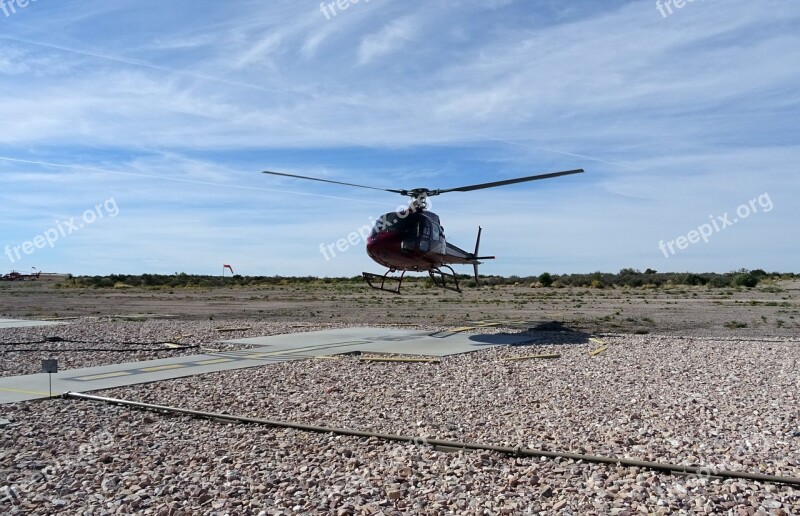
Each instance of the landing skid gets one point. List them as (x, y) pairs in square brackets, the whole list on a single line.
[(439, 278), (370, 277)]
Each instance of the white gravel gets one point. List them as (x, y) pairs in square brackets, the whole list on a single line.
[(133, 462), (725, 404)]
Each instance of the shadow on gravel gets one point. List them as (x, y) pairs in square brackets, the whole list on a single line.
[(555, 333), (549, 333)]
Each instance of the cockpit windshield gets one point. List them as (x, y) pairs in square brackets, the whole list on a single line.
[(394, 222)]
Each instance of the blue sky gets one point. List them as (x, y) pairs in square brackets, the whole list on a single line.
[(159, 116)]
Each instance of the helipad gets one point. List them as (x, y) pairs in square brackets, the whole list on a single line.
[(265, 350), (381, 340), (17, 323)]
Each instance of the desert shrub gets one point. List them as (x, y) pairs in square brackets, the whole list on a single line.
[(721, 281), (743, 279), (694, 280)]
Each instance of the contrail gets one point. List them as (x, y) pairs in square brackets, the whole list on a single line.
[(142, 64), (565, 153), (181, 180)]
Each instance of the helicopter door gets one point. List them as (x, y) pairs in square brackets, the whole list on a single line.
[(435, 237), (424, 235)]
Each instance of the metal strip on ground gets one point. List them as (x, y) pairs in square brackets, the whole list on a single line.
[(700, 471)]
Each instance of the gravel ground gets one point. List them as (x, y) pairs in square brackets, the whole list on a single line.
[(133, 462), (720, 403)]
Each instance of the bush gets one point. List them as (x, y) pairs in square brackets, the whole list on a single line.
[(748, 280), (694, 280), (721, 282), (546, 279)]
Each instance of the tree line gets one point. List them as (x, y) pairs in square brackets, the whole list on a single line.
[(624, 278)]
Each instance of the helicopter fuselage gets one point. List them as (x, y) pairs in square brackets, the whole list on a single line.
[(413, 241)]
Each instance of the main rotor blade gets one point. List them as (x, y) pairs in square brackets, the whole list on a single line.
[(402, 192), (510, 181)]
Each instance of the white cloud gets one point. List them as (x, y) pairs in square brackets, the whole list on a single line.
[(181, 110), (387, 40)]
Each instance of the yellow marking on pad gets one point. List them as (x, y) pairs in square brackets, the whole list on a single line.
[(214, 361), (35, 393), (531, 357), (465, 328), (102, 376), (477, 326), (468, 328), (597, 341), (162, 367), (275, 354), (310, 349), (420, 360), (598, 351)]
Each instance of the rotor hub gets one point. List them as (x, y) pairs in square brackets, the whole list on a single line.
[(419, 202)]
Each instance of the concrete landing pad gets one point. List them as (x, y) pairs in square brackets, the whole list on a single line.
[(17, 323), (35, 386), (269, 350), (382, 340)]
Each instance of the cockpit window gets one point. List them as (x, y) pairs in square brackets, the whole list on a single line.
[(425, 228), (393, 222)]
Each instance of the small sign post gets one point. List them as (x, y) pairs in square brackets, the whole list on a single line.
[(50, 367)]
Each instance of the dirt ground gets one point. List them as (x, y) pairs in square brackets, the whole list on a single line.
[(656, 392), (771, 309)]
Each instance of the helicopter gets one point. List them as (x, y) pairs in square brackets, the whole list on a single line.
[(413, 239)]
